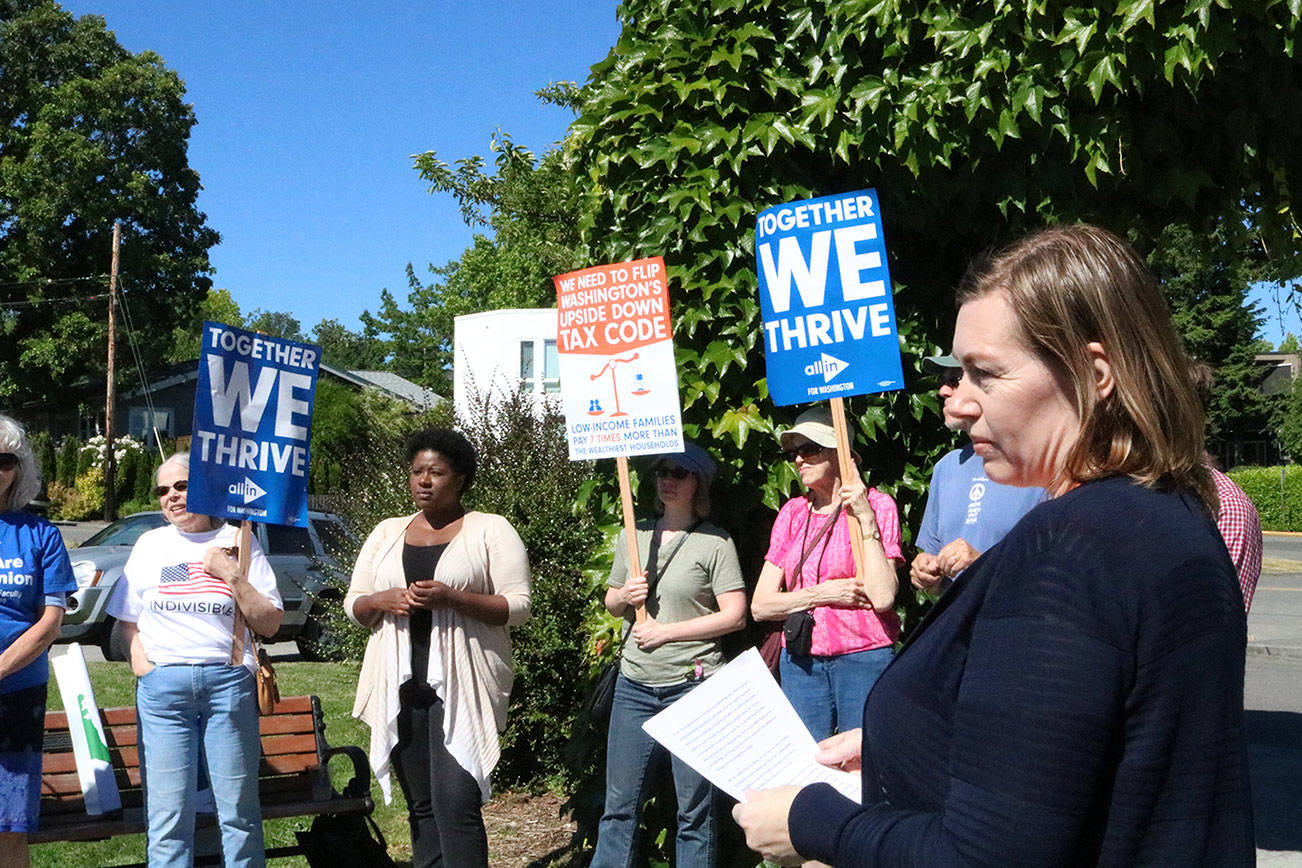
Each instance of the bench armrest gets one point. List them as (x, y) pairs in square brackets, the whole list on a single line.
[(360, 785)]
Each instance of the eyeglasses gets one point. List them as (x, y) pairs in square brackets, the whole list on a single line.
[(804, 450), (8, 461), (663, 472), (162, 490), (951, 377)]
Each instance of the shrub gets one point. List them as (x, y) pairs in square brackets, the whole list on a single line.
[(525, 475), (66, 470), (1276, 492), (46, 460), (82, 500)]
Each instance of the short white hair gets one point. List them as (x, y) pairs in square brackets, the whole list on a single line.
[(27, 477), (181, 459)]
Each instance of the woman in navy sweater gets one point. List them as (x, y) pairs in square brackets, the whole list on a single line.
[(1078, 698)]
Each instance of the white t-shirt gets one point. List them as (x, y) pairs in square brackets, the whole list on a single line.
[(184, 614)]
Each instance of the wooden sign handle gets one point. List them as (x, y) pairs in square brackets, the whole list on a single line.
[(237, 633), (848, 471), (630, 528)]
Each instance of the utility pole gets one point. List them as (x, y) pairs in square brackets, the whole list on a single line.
[(110, 464)]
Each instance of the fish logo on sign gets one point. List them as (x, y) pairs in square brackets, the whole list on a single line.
[(248, 489), (828, 366)]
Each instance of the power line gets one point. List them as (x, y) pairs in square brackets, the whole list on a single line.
[(32, 302), (51, 281), (129, 327)]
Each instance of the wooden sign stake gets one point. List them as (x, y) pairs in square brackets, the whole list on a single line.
[(630, 527), (848, 471), (246, 546)]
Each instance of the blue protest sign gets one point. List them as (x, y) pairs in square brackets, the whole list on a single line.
[(825, 296), (252, 419)]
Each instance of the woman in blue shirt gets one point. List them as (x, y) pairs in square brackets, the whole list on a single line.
[(34, 577)]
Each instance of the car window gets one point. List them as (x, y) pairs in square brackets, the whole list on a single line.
[(331, 533), (286, 540), (125, 531)]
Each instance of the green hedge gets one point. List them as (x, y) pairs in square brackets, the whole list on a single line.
[(1279, 503)]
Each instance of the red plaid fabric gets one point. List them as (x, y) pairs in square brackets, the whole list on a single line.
[(1240, 525)]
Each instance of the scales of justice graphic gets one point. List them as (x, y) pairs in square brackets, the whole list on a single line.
[(639, 389)]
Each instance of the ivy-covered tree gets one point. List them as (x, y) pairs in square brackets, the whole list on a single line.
[(974, 122), (89, 133)]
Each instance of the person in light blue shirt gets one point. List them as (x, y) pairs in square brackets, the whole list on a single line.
[(966, 513)]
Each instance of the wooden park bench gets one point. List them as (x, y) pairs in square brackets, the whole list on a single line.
[(293, 780)]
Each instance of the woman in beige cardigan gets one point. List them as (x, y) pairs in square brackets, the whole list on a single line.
[(439, 589)]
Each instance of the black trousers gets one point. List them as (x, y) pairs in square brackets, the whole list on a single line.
[(443, 801)]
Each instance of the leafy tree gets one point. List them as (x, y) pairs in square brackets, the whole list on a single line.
[(345, 423), (974, 122), (1290, 422), (529, 206), (217, 306), (344, 348), (1206, 280), (89, 133), (1289, 344), (278, 324)]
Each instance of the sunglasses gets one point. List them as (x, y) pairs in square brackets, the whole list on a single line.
[(663, 472), (8, 461), (804, 450), (951, 377), (162, 490)]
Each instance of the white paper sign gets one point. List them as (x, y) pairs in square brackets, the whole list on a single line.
[(739, 731), (89, 747)]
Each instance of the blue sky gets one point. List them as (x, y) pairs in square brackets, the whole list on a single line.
[(308, 114)]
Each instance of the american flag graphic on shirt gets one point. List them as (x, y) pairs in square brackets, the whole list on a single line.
[(183, 579)]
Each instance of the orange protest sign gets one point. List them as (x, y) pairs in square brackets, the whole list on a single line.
[(611, 309)]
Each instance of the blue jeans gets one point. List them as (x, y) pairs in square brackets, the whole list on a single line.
[(630, 754), (829, 692), (185, 711)]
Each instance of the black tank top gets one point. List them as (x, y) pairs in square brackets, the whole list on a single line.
[(418, 563)]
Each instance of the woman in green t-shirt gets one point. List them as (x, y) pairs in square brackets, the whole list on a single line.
[(693, 592)]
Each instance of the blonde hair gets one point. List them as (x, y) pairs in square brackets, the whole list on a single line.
[(26, 482), (1070, 286)]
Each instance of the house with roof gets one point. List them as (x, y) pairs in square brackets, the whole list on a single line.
[(167, 403)]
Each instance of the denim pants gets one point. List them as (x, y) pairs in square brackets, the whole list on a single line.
[(186, 711), (829, 692), (631, 756)]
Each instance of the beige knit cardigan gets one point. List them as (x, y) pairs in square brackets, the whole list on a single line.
[(469, 661)]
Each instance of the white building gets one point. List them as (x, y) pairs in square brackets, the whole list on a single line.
[(503, 351)]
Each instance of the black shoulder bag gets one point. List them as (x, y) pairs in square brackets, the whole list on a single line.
[(799, 626), (603, 689)]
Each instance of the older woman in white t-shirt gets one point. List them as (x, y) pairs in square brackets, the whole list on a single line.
[(177, 612)]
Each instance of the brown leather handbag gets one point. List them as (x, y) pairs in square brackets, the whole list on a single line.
[(268, 691)]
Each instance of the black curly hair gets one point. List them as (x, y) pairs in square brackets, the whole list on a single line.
[(452, 445)]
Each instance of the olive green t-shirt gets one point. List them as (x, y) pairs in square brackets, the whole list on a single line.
[(687, 574)]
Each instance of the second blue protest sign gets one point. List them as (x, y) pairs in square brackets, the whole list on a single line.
[(252, 421), (825, 296)]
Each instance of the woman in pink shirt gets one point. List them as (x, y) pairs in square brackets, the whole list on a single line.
[(838, 631)]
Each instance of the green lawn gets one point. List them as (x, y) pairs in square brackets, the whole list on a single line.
[(334, 683)]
